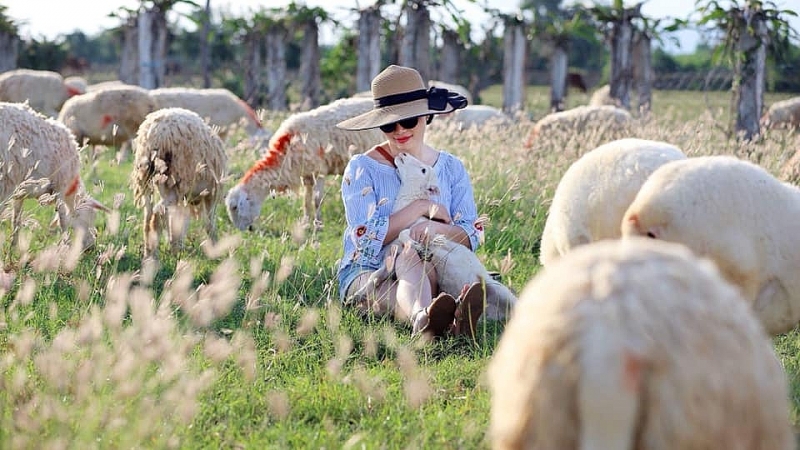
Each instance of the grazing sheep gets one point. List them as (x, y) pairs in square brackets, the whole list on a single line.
[(177, 153), (595, 191), (39, 156), (220, 107), (306, 146), (44, 90), (602, 97), (476, 116), (580, 119), (456, 265), (736, 214), (636, 344), (783, 114), (108, 116), (77, 83)]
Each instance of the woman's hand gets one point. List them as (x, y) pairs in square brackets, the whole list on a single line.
[(433, 211)]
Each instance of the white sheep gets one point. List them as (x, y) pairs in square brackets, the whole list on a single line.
[(636, 344), (178, 154), (456, 265), (306, 147), (596, 190), (39, 156), (736, 214), (77, 83), (785, 114), (44, 90), (602, 96), (108, 116), (477, 116), (220, 107), (580, 119)]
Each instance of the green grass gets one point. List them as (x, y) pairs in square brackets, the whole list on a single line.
[(248, 348)]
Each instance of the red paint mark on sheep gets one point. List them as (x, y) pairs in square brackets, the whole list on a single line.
[(72, 91), (277, 150), (73, 187), (107, 119), (251, 113)]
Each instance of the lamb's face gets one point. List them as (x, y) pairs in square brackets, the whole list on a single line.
[(242, 210), (416, 175)]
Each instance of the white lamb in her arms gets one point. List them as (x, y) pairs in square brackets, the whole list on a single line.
[(456, 265)]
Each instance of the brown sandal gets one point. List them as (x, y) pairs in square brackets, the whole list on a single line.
[(469, 310), (441, 313)]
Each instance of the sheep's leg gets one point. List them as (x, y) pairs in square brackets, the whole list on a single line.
[(178, 220), (366, 292), (209, 213), (309, 209), (16, 221), (151, 227), (319, 190)]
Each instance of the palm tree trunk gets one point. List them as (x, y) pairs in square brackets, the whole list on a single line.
[(621, 49), (147, 78), (558, 77), (309, 67), (416, 45), (129, 56), (513, 67), (252, 70), (205, 56), (750, 72), (8, 51), (276, 67), (643, 70), (450, 62), (369, 47)]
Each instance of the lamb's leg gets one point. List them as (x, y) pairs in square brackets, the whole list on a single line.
[(209, 213), (500, 300)]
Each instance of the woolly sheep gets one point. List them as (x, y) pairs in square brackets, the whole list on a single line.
[(452, 88), (635, 344), (473, 116), (44, 90), (306, 147), (39, 156), (595, 191), (177, 153), (602, 96), (785, 113), (579, 119), (221, 107), (456, 265), (738, 215), (108, 116)]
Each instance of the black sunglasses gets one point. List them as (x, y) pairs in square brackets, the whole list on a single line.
[(405, 123)]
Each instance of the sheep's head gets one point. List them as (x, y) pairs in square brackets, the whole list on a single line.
[(416, 175), (83, 218), (242, 208)]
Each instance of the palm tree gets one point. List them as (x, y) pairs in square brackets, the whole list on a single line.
[(308, 20), (369, 46), (750, 27)]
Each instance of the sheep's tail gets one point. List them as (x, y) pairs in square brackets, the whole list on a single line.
[(278, 146), (608, 390), (252, 113)]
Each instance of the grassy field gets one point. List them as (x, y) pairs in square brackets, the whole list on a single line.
[(243, 345)]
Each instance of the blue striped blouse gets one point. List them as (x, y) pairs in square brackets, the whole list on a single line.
[(368, 192)]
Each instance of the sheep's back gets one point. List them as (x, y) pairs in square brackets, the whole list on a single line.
[(125, 106), (710, 376), (42, 147)]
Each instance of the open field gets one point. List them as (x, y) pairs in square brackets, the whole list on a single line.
[(244, 346)]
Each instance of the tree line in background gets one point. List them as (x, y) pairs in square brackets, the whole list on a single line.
[(272, 57)]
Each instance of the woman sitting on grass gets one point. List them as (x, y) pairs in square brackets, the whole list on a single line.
[(403, 108)]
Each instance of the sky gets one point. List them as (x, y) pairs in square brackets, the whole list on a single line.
[(52, 18)]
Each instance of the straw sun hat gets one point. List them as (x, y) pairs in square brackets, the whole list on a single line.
[(400, 93)]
